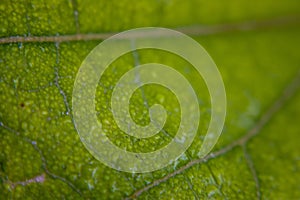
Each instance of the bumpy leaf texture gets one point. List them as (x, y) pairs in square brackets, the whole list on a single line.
[(255, 44)]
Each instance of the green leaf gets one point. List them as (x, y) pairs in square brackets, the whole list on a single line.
[(256, 47)]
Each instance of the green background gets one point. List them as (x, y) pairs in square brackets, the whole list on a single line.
[(255, 45)]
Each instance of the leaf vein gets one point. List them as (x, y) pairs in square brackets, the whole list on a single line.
[(287, 93), (194, 30)]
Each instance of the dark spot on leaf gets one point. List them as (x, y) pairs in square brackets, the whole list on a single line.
[(2, 168)]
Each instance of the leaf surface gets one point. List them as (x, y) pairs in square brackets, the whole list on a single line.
[(256, 47)]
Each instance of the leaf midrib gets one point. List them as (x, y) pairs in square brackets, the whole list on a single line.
[(194, 30)]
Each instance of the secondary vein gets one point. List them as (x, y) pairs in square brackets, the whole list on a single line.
[(287, 93)]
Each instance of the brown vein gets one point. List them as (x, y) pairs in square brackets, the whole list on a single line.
[(287, 93), (195, 30)]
